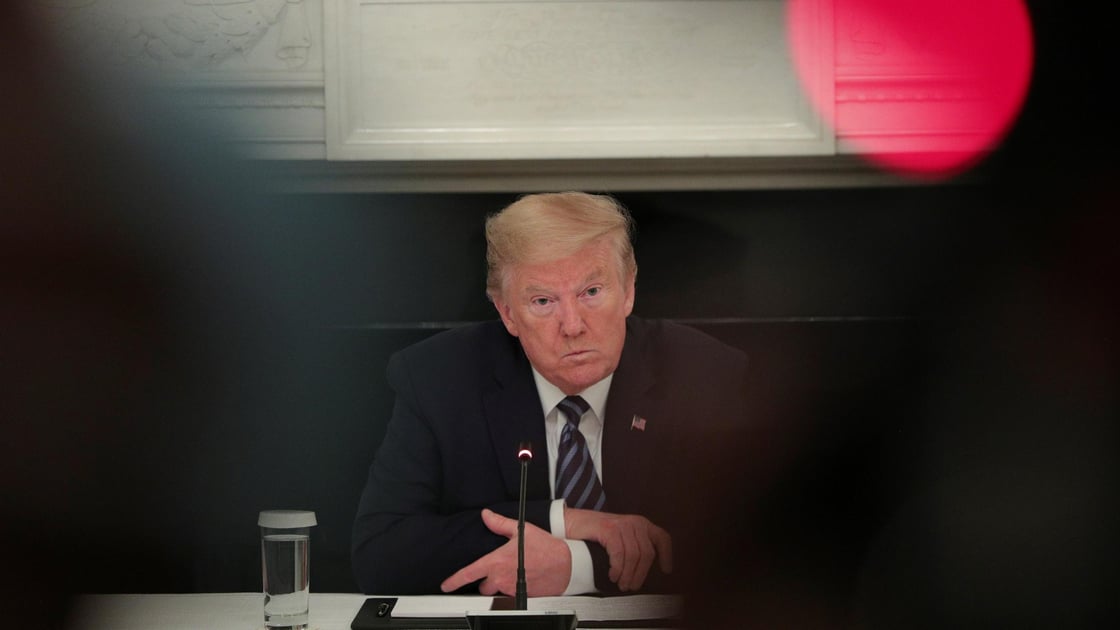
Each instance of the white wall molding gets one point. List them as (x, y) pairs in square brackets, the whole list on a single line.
[(417, 95), (241, 96), (792, 172), (190, 36), (252, 67), (565, 79)]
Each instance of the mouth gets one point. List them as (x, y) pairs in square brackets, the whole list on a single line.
[(577, 354)]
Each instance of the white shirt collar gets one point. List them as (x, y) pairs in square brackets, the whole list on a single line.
[(596, 395)]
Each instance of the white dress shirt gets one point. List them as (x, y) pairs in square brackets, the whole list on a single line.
[(583, 575)]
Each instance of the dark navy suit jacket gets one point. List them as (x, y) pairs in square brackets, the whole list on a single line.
[(466, 398)]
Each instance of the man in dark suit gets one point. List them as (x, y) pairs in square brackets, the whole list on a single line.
[(633, 416)]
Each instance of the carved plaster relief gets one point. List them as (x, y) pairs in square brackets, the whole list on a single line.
[(186, 35), (251, 68)]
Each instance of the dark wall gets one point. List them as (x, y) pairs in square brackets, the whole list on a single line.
[(831, 293), (255, 344), (913, 349)]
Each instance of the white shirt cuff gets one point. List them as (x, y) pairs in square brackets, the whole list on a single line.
[(556, 523), (583, 573), (582, 580)]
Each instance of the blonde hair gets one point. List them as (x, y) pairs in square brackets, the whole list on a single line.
[(549, 226)]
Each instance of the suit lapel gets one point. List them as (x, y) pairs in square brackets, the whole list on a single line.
[(627, 449), (513, 414)]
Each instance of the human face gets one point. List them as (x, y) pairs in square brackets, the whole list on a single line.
[(570, 314)]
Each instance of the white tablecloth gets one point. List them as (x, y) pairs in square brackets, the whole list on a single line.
[(204, 611), (328, 611)]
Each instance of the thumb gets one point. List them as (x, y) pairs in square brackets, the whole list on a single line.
[(499, 524)]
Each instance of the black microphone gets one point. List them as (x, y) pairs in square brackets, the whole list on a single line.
[(520, 618), (521, 598)]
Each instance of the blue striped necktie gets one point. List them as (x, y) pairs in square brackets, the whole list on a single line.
[(576, 481)]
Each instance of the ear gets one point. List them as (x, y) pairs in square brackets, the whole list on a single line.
[(506, 313), (628, 302)]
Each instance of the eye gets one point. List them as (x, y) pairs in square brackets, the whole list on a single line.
[(593, 291), (541, 305)]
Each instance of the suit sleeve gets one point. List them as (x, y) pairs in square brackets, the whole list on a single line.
[(701, 396), (409, 535)]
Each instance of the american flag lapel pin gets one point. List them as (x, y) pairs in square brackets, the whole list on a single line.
[(637, 423)]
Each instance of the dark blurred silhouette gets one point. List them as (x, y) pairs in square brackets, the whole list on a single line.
[(984, 495), (1009, 515), (155, 361)]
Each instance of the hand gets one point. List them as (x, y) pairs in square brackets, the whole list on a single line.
[(548, 562), (632, 542)]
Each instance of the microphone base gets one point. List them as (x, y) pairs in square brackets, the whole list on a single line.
[(522, 620)]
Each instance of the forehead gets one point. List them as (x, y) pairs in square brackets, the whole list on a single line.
[(595, 262)]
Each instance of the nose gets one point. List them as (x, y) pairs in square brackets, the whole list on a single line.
[(571, 320)]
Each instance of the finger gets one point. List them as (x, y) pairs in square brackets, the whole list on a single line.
[(488, 587), (664, 544), (644, 562), (499, 524), (641, 560), (616, 552), (470, 573), (631, 557)]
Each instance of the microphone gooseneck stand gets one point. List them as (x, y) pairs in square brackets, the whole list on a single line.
[(521, 598)]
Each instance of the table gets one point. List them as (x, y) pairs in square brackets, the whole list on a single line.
[(328, 611), (198, 611)]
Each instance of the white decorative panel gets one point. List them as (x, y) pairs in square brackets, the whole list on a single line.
[(565, 79), (252, 67), (191, 36)]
